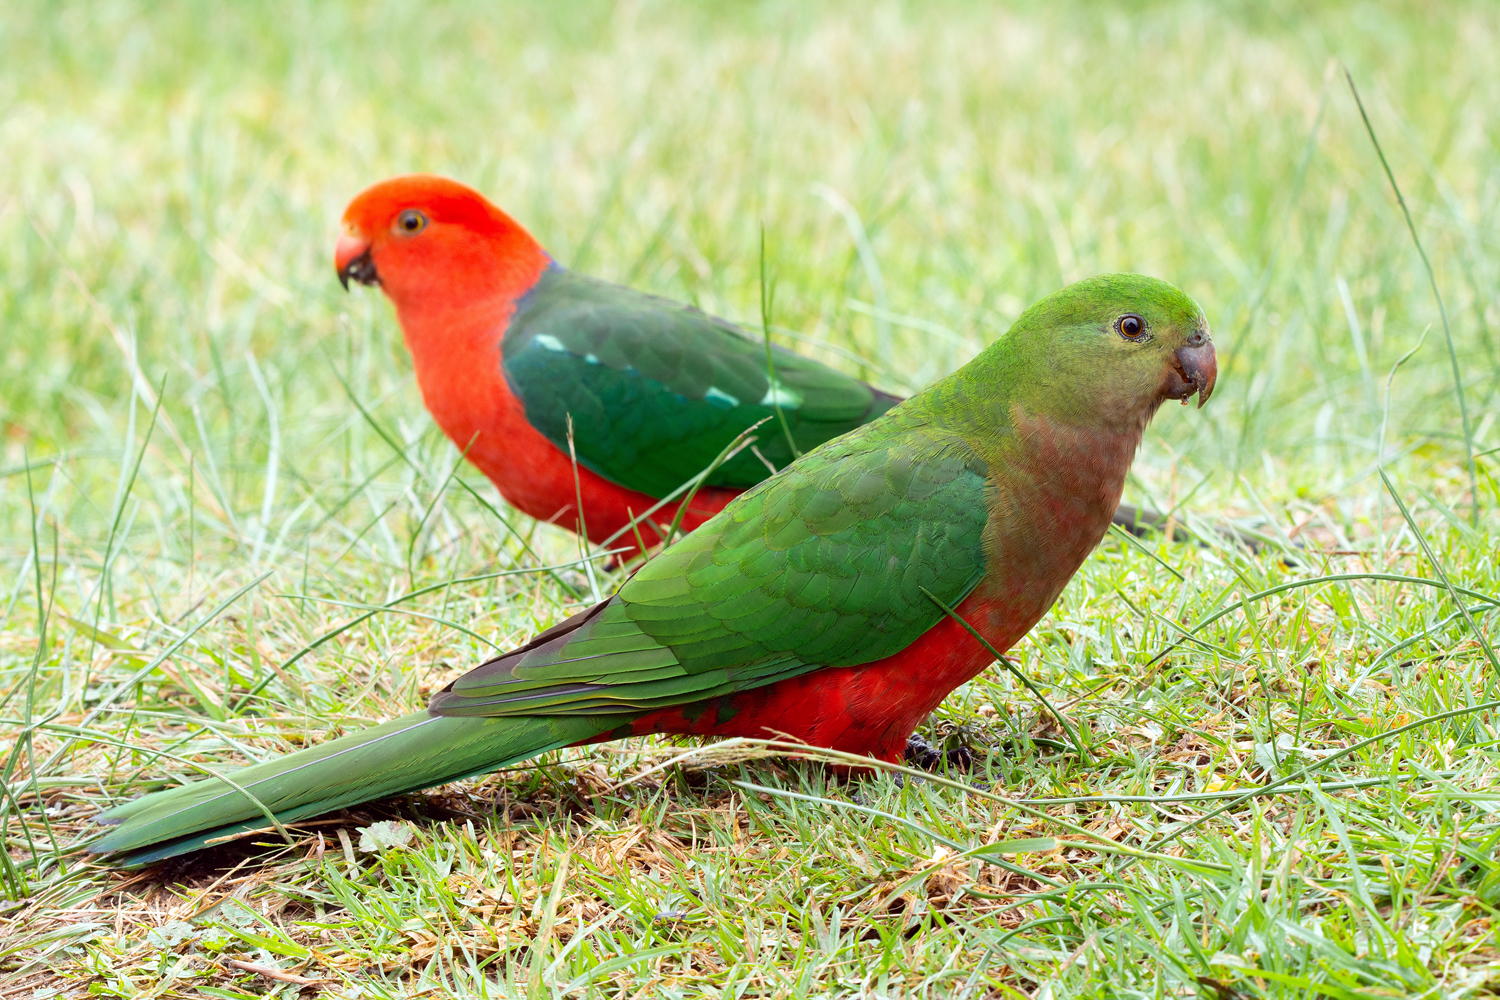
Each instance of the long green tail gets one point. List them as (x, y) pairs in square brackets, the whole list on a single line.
[(404, 755)]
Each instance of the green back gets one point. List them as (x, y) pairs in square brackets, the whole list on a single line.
[(657, 389), (823, 565)]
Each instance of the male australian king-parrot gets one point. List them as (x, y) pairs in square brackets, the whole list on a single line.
[(507, 344), (803, 607)]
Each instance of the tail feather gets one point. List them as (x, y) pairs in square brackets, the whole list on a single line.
[(404, 755)]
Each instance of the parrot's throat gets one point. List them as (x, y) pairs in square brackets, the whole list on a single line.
[(456, 354), (454, 334), (1055, 488)]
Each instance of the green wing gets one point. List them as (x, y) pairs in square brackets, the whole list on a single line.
[(657, 389), (822, 566)]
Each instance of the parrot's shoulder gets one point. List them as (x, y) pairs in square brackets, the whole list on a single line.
[(623, 329), (655, 389)]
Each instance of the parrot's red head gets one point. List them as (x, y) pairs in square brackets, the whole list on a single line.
[(433, 244)]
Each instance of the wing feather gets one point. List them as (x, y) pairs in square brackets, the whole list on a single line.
[(656, 389), (781, 582)]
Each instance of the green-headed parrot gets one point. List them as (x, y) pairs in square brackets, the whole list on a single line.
[(810, 606)]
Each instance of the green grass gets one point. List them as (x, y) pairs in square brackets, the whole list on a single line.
[(187, 586)]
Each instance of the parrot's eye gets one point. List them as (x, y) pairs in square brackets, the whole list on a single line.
[(411, 222), (1130, 326)]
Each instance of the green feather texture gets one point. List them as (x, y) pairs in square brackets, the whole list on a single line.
[(655, 387), (824, 564), (404, 755)]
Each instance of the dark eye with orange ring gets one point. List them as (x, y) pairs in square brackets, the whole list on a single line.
[(411, 222), (1130, 326)]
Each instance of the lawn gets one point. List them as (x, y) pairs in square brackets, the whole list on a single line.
[(229, 529)]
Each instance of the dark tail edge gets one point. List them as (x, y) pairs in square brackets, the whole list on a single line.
[(1143, 522)]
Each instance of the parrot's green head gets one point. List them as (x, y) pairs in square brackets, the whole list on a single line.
[(1108, 350)]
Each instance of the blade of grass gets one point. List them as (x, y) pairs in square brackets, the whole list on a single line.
[(582, 534), (690, 488), (1137, 543), (1458, 382), (378, 608), (399, 450), (742, 441), (1282, 588), (1437, 567), (867, 260), (114, 524), (767, 293), (273, 456)]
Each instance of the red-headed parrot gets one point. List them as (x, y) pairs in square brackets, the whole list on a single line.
[(803, 607), (507, 344)]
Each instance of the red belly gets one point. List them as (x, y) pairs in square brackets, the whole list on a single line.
[(869, 709)]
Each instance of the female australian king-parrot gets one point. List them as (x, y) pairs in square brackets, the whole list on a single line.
[(809, 605), (507, 344)]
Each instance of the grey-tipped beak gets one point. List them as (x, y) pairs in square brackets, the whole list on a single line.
[(360, 269), (1195, 367)]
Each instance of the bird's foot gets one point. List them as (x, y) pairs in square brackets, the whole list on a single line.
[(921, 753), (930, 758)]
